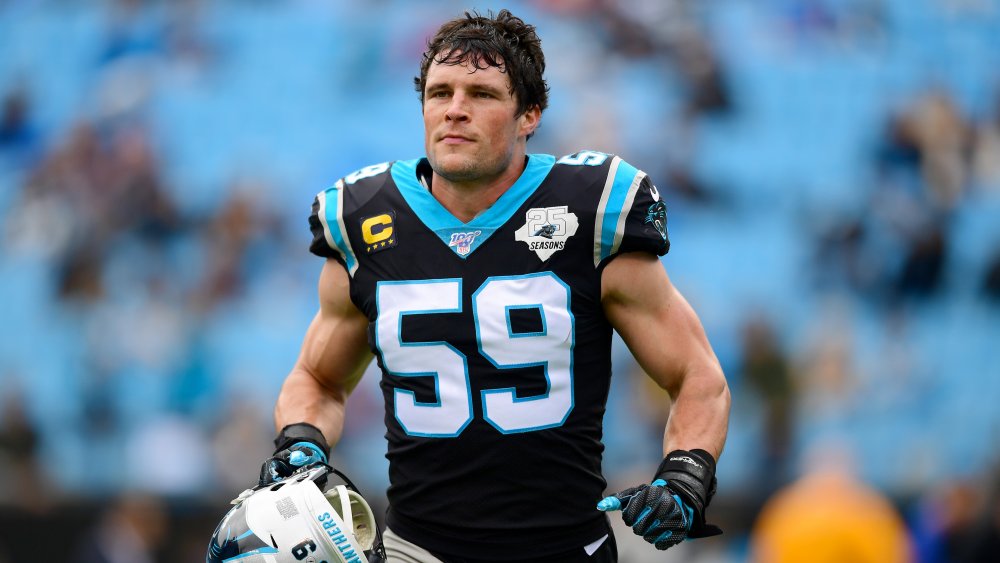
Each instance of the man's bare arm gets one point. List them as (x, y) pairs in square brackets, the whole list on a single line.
[(333, 358), (667, 339)]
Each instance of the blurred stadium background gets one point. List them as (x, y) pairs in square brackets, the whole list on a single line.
[(833, 179)]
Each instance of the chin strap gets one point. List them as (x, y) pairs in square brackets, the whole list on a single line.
[(377, 552)]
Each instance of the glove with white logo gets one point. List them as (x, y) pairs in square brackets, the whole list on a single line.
[(672, 507), (297, 445)]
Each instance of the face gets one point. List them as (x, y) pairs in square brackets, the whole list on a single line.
[(470, 130)]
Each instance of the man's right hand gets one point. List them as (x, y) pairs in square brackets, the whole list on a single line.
[(297, 445)]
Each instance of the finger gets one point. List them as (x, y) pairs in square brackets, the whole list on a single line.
[(304, 453), (666, 540), (298, 458), (643, 522), (658, 533), (639, 508), (609, 504), (617, 501), (270, 471)]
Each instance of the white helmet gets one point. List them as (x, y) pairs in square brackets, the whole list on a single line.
[(294, 521)]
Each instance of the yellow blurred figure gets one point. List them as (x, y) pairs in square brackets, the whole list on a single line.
[(828, 516)]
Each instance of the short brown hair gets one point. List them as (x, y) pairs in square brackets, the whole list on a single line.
[(503, 41)]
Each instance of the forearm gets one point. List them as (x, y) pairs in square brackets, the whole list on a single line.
[(304, 399), (699, 417)]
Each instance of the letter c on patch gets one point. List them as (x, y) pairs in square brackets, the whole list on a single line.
[(376, 229)]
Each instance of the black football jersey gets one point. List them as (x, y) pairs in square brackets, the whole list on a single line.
[(494, 349)]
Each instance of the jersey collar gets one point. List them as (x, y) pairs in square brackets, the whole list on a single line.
[(465, 238)]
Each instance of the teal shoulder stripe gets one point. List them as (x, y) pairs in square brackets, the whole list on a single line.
[(619, 192), (331, 205), (465, 238)]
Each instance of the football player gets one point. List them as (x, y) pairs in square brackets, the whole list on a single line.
[(486, 282)]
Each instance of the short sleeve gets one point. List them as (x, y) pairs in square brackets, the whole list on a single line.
[(328, 237), (320, 245), (631, 215), (646, 224)]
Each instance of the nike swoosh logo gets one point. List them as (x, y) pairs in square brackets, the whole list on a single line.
[(590, 548)]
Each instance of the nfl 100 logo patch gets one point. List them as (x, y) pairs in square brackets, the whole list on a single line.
[(462, 242)]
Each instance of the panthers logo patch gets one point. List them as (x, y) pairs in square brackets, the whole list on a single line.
[(656, 215)]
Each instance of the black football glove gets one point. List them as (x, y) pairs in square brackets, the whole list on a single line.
[(672, 507), (296, 446)]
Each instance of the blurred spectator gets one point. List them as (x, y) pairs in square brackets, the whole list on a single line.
[(827, 515), (843, 258), (23, 484), (242, 220), (100, 427), (708, 91), (623, 33), (93, 187), (959, 522), (80, 275), (923, 266), (681, 182), (766, 370), (942, 135), (933, 130), (986, 150), (136, 199), (19, 135), (131, 530), (672, 30), (991, 281), (826, 365), (898, 152)]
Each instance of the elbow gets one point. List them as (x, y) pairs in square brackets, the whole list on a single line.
[(711, 383), (722, 386)]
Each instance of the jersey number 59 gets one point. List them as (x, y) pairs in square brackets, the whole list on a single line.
[(551, 348)]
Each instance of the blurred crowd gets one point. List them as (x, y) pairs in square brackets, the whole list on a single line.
[(155, 177)]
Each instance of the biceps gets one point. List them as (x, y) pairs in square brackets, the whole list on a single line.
[(659, 326), (335, 350)]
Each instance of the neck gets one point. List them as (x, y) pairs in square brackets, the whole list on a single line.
[(466, 200)]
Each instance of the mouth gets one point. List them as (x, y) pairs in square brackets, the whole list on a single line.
[(454, 139)]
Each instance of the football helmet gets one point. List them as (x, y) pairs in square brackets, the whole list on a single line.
[(296, 521)]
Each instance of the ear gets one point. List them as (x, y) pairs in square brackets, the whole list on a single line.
[(529, 120)]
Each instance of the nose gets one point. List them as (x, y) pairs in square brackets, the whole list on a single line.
[(457, 110)]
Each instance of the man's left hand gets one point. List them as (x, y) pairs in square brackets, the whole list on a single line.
[(654, 511), (672, 507)]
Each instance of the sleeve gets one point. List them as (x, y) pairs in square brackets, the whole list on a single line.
[(631, 215), (646, 223), (329, 237)]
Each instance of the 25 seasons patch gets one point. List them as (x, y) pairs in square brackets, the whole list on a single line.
[(546, 229), (379, 232)]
